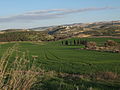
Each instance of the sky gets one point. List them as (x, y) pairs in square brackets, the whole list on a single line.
[(39, 13)]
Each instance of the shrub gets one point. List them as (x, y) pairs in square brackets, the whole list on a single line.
[(110, 43), (91, 45), (107, 75), (21, 75)]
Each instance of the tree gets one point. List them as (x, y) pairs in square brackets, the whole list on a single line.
[(66, 42), (78, 42), (83, 42), (74, 42), (62, 43), (70, 42)]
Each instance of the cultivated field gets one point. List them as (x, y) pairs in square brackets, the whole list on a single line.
[(53, 56)]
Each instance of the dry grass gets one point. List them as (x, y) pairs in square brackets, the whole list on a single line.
[(106, 76), (21, 75), (3, 42)]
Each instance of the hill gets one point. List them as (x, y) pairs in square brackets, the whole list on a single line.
[(8, 36), (96, 29), (69, 64), (111, 28)]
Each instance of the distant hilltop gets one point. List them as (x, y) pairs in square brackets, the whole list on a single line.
[(105, 28), (67, 25)]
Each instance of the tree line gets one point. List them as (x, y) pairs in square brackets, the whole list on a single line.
[(74, 42), (24, 36), (108, 46)]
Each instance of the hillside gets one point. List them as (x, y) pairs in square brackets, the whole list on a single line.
[(111, 28), (24, 36), (89, 29), (60, 57)]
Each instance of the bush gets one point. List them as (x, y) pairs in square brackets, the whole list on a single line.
[(21, 75), (107, 75), (91, 45), (110, 43)]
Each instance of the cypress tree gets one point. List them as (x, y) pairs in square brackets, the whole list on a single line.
[(74, 42), (62, 43), (78, 42), (70, 42), (66, 42)]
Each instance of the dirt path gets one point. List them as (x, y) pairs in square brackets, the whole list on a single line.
[(117, 37)]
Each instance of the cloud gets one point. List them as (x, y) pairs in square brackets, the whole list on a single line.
[(46, 14)]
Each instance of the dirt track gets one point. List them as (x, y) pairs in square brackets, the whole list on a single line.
[(117, 37)]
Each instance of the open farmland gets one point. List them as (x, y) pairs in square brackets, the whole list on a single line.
[(70, 59), (52, 56)]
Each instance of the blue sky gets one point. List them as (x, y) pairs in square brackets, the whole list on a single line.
[(38, 13)]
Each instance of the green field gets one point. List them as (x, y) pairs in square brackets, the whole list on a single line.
[(70, 59), (52, 56)]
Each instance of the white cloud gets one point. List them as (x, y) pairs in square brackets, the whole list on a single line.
[(46, 14)]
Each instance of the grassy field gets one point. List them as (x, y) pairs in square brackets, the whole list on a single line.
[(69, 59), (52, 56)]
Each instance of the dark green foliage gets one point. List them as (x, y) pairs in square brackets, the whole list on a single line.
[(70, 43), (83, 42), (66, 42), (78, 42), (24, 36), (62, 43), (74, 42)]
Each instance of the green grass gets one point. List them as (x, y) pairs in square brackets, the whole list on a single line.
[(70, 59), (4, 47)]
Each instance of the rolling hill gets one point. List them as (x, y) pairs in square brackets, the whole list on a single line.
[(52, 33)]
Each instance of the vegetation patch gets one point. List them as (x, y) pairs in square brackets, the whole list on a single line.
[(57, 66)]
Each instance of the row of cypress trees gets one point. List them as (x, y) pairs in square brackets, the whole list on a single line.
[(74, 42)]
